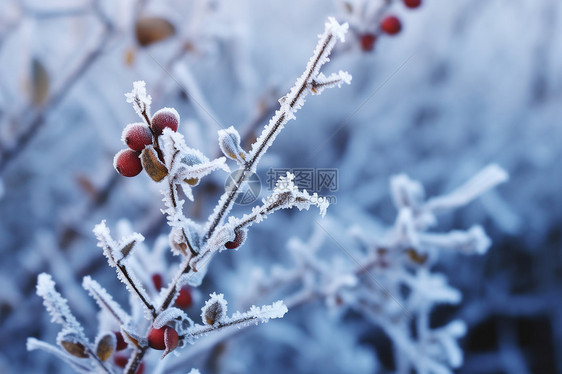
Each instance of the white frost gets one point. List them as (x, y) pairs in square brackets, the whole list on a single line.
[(139, 98)]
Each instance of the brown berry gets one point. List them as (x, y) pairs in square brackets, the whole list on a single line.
[(184, 299), (127, 163), (137, 136), (391, 25), (165, 117)]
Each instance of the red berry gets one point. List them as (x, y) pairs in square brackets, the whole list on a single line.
[(137, 136), (184, 299), (140, 368), (156, 338), (391, 25), (157, 281), (121, 343), (165, 117), (162, 338), (367, 41), (127, 163), (239, 238), (412, 3), (120, 360)]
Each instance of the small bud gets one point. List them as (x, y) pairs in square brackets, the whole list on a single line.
[(239, 238), (165, 117), (137, 136), (214, 310), (229, 142), (127, 163), (152, 164)]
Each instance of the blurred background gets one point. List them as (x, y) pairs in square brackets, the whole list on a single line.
[(465, 83)]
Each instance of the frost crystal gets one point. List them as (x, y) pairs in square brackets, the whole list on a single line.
[(104, 299), (57, 305), (139, 98), (338, 30)]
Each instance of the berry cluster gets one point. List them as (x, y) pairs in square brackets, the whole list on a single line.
[(390, 25), (137, 136)]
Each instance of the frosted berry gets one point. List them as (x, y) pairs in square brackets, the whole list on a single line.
[(157, 281), (137, 136), (165, 117), (367, 41), (239, 237), (412, 3), (121, 343), (127, 163), (391, 25), (184, 299), (163, 338)]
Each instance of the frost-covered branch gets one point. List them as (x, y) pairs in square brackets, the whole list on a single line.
[(117, 254), (382, 267), (289, 105), (214, 316)]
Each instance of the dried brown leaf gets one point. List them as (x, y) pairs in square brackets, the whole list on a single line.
[(152, 164), (150, 30)]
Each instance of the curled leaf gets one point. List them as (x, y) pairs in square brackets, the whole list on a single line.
[(150, 30), (152, 164)]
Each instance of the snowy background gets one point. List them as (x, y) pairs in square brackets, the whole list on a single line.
[(466, 83)]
